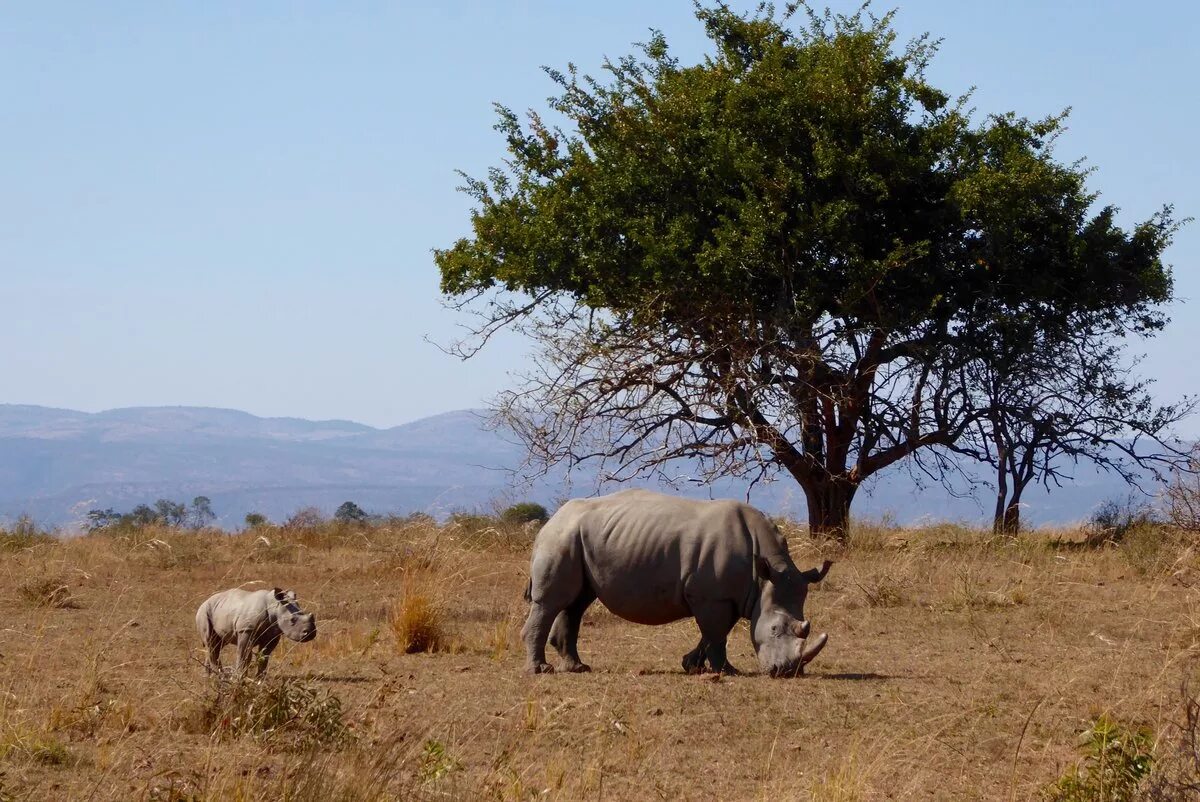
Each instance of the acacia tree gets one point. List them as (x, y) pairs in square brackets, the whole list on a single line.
[(779, 258), (1052, 405)]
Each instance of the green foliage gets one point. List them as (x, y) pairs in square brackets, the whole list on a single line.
[(1115, 761), (436, 762), (255, 519), (819, 155), (524, 512), (776, 254), (102, 519)]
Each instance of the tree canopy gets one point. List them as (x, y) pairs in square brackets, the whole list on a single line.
[(783, 256)]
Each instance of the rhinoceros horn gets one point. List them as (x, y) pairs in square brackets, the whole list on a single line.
[(813, 649)]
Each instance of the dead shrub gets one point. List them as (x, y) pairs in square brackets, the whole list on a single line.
[(281, 712), (1175, 776), (48, 592), (1115, 519)]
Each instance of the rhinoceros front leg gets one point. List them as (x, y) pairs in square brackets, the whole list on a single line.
[(564, 634), (264, 656), (693, 661), (245, 654), (716, 620)]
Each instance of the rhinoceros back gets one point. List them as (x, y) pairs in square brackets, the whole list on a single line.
[(648, 557)]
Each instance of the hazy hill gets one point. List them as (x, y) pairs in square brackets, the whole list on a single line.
[(55, 464)]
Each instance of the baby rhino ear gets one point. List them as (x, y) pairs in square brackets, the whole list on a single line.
[(284, 596)]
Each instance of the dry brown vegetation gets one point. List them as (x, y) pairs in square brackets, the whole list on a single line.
[(959, 667)]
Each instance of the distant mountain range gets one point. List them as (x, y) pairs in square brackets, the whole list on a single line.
[(56, 464)]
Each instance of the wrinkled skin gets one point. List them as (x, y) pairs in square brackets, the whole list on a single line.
[(255, 620), (653, 559)]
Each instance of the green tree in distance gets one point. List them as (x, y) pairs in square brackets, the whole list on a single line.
[(781, 258), (349, 512), (202, 512)]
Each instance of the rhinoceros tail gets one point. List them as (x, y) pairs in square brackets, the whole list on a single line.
[(529, 590)]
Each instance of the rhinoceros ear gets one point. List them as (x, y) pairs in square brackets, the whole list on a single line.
[(768, 569), (817, 574), (284, 596)]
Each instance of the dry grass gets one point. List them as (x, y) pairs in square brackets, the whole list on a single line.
[(47, 592), (959, 667), (416, 623)]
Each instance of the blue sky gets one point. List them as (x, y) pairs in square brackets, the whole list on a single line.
[(233, 204)]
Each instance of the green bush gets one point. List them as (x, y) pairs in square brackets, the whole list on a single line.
[(1115, 761), (525, 512)]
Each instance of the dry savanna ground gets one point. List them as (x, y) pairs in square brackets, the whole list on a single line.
[(959, 667)]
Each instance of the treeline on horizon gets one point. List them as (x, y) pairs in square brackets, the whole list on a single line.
[(199, 515)]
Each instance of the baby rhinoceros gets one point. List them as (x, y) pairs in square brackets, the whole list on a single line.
[(254, 619)]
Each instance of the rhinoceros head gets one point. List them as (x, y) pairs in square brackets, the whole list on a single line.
[(778, 627), (291, 620)]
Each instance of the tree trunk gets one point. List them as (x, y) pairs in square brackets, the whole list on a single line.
[(1012, 518), (829, 507), (999, 515), (1012, 515)]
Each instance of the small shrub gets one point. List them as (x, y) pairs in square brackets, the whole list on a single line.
[(24, 534), (304, 518), (436, 762), (883, 591), (471, 522), (1115, 761), (89, 715), (416, 622), (284, 711), (1114, 519), (255, 520), (1175, 776), (47, 592), (34, 746), (525, 512), (1181, 498)]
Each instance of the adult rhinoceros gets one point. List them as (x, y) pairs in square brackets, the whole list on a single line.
[(654, 559)]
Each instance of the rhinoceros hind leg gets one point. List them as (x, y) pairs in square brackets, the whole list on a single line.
[(564, 634), (535, 632), (213, 664)]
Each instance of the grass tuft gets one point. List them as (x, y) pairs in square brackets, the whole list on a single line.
[(417, 623)]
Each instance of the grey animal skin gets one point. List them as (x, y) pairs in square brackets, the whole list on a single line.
[(254, 620), (654, 559)]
